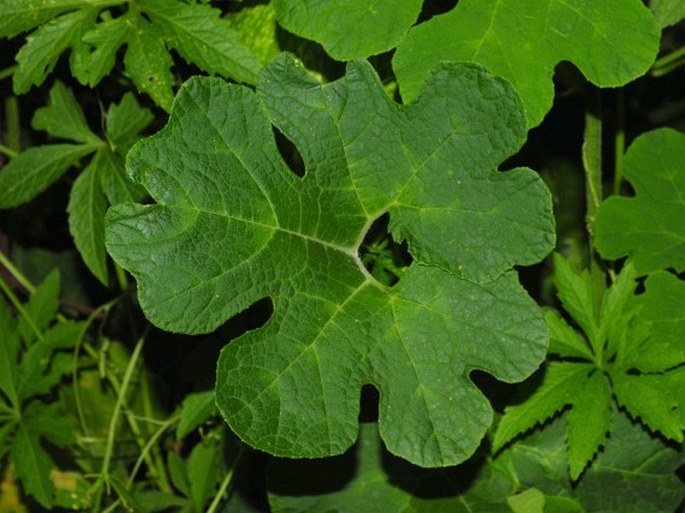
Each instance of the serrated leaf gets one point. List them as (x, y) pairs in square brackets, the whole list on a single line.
[(637, 480), (148, 62), (41, 307), (367, 479), (564, 340), (589, 421), (351, 29), (8, 355), (48, 421), (667, 12), (649, 227), (35, 169), (201, 36), (118, 187), (105, 38), (86, 209), (38, 56), (17, 16), (615, 316), (663, 305), (648, 398), (560, 383), (125, 121), (63, 117), (219, 240), (258, 30), (574, 290), (195, 409), (32, 465), (523, 40)]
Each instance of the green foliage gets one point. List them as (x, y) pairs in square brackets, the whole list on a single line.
[(523, 40), (337, 247), (649, 226), (148, 29), (349, 315), (352, 29)]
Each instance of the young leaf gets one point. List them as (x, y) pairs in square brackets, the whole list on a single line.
[(196, 409), (41, 307), (574, 289), (202, 36), (561, 382), (564, 340), (352, 29), (38, 56), (523, 40), (232, 225), (589, 421), (663, 305), (35, 169), (32, 465), (63, 117), (86, 209), (125, 121), (649, 227), (148, 62)]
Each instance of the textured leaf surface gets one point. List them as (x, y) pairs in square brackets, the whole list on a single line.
[(366, 480), (522, 40), (349, 29), (649, 227), (233, 225)]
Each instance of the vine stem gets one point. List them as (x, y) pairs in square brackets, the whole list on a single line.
[(592, 164), (619, 141)]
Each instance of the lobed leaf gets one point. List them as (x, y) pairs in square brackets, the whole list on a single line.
[(63, 117), (523, 40), (351, 29), (649, 227), (17, 16), (32, 465), (233, 225)]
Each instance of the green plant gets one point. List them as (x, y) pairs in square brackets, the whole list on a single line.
[(354, 249)]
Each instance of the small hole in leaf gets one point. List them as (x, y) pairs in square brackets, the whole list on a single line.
[(289, 152), (368, 404), (385, 259)]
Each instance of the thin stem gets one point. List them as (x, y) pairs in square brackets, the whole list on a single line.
[(149, 446), (669, 62), (8, 151), (7, 72), (17, 274), (224, 484), (111, 434), (12, 124), (20, 308), (619, 141)]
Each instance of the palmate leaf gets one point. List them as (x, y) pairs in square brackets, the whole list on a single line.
[(350, 29), (233, 225), (523, 40), (649, 227)]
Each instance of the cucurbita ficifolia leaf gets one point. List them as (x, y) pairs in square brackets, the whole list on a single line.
[(233, 224), (523, 40)]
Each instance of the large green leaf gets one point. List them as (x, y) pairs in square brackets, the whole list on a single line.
[(523, 40), (349, 29), (233, 224), (650, 227)]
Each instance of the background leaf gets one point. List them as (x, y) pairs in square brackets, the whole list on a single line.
[(350, 29), (63, 117), (649, 227), (523, 40)]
